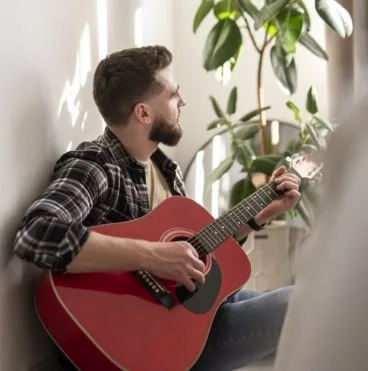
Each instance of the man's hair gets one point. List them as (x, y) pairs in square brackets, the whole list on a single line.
[(126, 77)]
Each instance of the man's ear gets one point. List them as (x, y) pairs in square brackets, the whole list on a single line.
[(143, 113)]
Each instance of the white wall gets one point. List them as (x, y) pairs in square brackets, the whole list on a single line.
[(46, 106), (196, 84)]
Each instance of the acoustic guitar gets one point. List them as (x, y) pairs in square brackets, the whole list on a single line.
[(137, 322)]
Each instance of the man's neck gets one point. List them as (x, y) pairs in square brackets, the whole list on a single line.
[(136, 144)]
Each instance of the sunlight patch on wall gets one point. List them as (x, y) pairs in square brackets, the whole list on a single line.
[(85, 55), (223, 73), (70, 94), (84, 120)]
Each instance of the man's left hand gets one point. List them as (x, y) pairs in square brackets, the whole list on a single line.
[(285, 182)]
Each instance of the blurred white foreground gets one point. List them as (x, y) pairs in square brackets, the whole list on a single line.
[(326, 328)]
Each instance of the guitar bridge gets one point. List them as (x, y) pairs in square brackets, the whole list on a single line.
[(154, 287)]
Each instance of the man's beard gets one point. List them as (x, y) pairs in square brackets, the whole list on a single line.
[(164, 132)]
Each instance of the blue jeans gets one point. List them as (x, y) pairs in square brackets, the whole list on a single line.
[(246, 328)]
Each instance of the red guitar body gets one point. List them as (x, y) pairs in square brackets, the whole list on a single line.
[(109, 321)]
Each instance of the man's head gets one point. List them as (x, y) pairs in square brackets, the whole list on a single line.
[(136, 87)]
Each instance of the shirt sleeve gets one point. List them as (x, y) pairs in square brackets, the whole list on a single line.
[(52, 231)]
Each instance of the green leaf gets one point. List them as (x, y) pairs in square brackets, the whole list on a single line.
[(311, 105), (282, 162), (312, 45), (242, 189), (268, 12), (271, 28), (220, 170), (292, 213), (289, 25), (293, 146), (295, 110), (284, 68), (217, 123), (231, 103), (336, 16), (242, 152), (225, 9), (265, 164), (248, 7), (222, 43), (247, 132), (248, 116), (327, 125), (307, 18), (234, 59), (216, 107), (201, 13)]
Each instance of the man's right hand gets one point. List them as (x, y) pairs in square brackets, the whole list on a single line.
[(177, 261)]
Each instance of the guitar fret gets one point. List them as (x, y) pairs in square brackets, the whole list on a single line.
[(245, 216), (252, 206), (223, 225), (259, 203), (267, 195), (233, 215), (209, 237), (217, 233), (229, 223), (203, 242)]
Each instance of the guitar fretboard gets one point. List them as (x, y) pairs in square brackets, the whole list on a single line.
[(228, 224)]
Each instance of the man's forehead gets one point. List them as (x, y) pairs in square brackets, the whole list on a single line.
[(166, 77)]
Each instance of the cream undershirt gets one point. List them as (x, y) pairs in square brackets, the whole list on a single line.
[(157, 187)]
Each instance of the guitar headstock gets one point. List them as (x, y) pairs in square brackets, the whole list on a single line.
[(303, 165)]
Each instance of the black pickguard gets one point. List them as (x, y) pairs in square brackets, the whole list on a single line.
[(202, 300)]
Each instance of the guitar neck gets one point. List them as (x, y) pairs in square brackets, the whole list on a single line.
[(229, 223)]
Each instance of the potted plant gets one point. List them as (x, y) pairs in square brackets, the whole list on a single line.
[(284, 26)]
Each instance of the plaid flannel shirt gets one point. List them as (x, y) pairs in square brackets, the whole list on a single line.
[(97, 183)]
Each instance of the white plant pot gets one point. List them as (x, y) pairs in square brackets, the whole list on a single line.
[(271, 253)]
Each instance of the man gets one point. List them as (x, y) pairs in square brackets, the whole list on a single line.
[(123, 175)]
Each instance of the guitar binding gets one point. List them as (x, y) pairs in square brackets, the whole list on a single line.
[(157, 291)]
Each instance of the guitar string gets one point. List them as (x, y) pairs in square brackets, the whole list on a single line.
[(241, 207), (208, 239), (205, 233)]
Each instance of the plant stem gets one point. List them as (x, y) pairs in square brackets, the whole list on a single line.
[(247, 25), (260, 96)]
